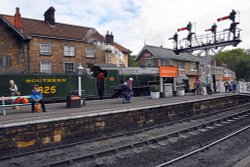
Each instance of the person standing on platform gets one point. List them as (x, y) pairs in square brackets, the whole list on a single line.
[(234, 86), (197, 86), (100, 84), (14, 91), (37, 97), (226, 84), (130, 85), (125, 92)]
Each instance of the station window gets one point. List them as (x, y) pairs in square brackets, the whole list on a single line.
[(69, 68), (90, 52), (45, 49), (181, 65), (194, 66), (150, 62), (121, 60), (45, 67), (108, 58), (165, 62), (69, 51), (5, 61)]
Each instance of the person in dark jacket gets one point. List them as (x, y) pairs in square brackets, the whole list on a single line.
[(125, 92), (227, 85), (37, 97)]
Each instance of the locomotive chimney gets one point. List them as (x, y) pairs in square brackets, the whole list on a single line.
[(17, 19), (49, 16), (109, 38)]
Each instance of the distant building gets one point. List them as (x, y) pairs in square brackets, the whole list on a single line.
[(218, 72), (35, 46), (223, 73), (189, 65)]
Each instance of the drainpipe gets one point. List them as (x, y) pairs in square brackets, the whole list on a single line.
[(28, 55)]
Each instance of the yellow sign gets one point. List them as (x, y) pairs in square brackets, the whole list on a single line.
[(46, 80)]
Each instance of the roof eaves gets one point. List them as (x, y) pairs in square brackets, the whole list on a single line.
[(60, 38), (13, 28), (139, 54), (153, 53)]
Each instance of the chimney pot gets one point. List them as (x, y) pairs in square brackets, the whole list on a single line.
[(17, 19), (109, 38), (49, 16)]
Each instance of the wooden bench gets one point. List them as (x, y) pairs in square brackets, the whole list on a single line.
[(4, 99)]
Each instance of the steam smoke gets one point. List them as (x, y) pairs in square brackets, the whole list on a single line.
[(89, 34), (107, 47), (114, 51)]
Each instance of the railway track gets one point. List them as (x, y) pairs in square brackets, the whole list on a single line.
[(173, 161), (154, 140), (142, 142)]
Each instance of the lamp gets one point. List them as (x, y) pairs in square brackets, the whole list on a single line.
[(79, 71)]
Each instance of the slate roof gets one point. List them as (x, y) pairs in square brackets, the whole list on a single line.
[(32, 27), (164, 53)]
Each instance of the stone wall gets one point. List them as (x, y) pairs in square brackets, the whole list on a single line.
[(24, 53), (57, 57), (11, 45), (42, 135)]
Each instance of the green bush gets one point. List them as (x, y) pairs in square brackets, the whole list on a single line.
[(155, 88)]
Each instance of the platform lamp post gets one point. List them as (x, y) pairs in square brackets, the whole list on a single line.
[(79, 71)]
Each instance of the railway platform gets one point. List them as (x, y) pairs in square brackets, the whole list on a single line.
[(21, 129), (58, 111)]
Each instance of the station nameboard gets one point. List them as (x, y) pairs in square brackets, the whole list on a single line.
[(168, 72)]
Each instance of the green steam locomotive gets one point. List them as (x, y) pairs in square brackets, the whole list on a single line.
[(56, 87)]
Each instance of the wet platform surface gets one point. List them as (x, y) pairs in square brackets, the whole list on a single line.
[(58, 111)]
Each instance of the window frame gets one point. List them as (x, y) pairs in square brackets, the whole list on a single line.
[(70, 52), (45, 49), (181, 63), (93, 52), (109, 58), (69, 72), (165, 62), (194, 66), (6, 61), (47, 71), (120, 61), (150, 62)]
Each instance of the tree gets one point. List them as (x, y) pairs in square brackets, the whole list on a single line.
[(237, 60), (242, 70), (133, 63)]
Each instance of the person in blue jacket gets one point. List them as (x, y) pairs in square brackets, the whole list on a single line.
[(37, 97)]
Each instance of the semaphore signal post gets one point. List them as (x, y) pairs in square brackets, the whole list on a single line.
[(216, 40)]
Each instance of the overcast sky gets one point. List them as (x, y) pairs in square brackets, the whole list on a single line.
[(135, 22)]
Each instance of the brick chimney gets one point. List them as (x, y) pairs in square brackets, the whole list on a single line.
[(17, 19), (109, 38), (49, 16)]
